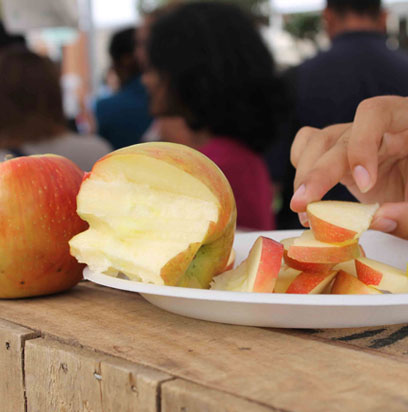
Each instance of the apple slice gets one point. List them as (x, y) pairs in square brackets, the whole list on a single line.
[(336, 222), (302, 266), (285, 277), (307, 249), (347, 284), (257, 273), (381, 276), (349, 267), (311, 283)]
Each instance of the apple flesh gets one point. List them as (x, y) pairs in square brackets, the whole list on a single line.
[(381, 275), (307, 249), (257, 273), (38, 215), (311, 283), (347, 284), (159, 213), (338, 222), (302, 266)]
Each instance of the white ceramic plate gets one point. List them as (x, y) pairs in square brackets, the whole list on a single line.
[(281, 310)]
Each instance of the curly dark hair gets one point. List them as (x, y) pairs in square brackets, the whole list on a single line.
[(220, 74)]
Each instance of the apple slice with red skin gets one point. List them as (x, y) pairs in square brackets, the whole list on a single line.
[(307, 249), (347, 284), (311, 283), (285, 277), (338, 222), (257, 273), (381, 275), (302, 266)]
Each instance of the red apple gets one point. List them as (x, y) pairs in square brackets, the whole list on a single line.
[(381, 276), (307, 249), (258, 273), (347, 284), (311, 283), (38, 215), (160, 213), (337, 222)]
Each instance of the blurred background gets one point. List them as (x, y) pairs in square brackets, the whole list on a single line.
[(75, 34)]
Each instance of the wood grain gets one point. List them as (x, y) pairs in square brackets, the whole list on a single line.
[(62, 378), (180, 395), (263, 366), (12, 390)]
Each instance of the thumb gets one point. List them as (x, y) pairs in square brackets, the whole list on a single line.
[(392, 218)]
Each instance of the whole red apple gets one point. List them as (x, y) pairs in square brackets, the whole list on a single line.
[(37, 219)]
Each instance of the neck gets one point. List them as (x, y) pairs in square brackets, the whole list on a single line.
[(339, 24)]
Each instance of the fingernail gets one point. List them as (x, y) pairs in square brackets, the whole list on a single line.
[(384, 225), (303, 219), (362, 178), (300, 192)]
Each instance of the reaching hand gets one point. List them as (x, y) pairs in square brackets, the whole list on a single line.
[(368, 156)]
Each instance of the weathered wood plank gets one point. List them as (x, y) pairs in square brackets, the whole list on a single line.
[(12, 341), (62, 378), (265, 366), (180, 395)]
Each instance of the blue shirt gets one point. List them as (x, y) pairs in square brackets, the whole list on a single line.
[(124, 117)]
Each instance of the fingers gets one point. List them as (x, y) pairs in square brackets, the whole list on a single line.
[(374, 118), (321, 161), (392, 218)]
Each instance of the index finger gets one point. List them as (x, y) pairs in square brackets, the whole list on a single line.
[(374, 117)]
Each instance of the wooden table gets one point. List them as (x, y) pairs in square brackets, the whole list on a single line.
[(98, 349)]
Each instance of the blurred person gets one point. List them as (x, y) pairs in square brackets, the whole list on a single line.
[(7, 39), (328, 88), (211, 79), (124, 117), (31, 113), (369, 156)]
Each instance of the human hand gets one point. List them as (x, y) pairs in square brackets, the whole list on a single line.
[(368, 156)]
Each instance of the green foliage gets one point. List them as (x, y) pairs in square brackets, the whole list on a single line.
[(303, 25)]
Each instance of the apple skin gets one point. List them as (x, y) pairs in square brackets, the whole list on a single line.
[(339, 222), (302, 266), (312, 251), (311, 283), (257, 273), (200, 262), (38, 215), (347, 284), (381, 276), (329, 233), (285, 277)]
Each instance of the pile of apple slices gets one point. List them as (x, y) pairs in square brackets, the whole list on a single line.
[(326, 259)]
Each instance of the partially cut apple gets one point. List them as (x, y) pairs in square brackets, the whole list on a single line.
[(257, 273), (159, 213), (347, 284), (336, 222), (302, 266), (307, 249), (381, 275), (311, 283)]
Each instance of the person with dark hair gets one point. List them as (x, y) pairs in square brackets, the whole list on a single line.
[(328, 88), (7, 39), (31, 113), (208, 65), (124, 117)]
